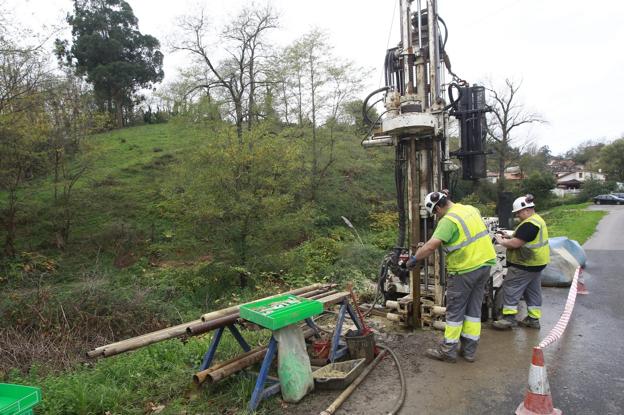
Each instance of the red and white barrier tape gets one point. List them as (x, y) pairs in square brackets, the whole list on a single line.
[(557, 331)]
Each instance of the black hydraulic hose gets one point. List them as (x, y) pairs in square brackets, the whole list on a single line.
[(365, 108), (370, 130), (445, 32), (373, 104), (401, 400), (454, 102)]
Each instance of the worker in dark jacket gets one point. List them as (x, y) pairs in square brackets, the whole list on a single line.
[(469, 255), (528, 254)]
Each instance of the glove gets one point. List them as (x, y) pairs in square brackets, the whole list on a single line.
[(411, 262)]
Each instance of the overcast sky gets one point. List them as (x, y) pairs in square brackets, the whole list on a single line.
[(567, 53)]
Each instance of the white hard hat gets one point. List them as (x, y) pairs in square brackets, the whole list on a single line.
[(432, 199), (523, 202)]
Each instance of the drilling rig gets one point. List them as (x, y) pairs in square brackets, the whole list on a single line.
[(418, 106)]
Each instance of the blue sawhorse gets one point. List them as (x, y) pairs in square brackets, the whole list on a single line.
[(209, 356), (338, 350)]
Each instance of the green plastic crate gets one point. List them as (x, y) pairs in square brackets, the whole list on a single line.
[(18, 399), (281, 311)]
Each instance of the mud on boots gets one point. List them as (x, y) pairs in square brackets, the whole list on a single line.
[(528, 253), (461, 233)]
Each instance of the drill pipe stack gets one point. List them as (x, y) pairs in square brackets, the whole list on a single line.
[(224, 317)]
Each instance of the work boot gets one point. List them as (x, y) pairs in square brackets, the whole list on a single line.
[(467, 357), (438, 354), (468, 349), (505, 323), (530, 322)]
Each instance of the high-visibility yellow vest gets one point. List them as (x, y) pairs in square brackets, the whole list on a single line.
[(473, 247), (535, 252)]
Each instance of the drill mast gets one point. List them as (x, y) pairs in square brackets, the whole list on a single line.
[(415, 122)]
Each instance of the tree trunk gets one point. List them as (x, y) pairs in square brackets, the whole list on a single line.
[(10, 226), (238, 107), (252, 91), (300, 103), (314, 143), (285, 95), (119, 110)]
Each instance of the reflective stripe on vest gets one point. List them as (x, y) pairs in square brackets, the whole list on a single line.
[(540, 236), (469, 238)]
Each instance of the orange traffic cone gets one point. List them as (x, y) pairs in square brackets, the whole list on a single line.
[(580, 284), (537, 400)]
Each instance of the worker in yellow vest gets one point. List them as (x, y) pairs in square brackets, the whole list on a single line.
[(461, 233), (528, 254)]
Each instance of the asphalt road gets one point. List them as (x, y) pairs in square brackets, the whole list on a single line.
[(585, 367)]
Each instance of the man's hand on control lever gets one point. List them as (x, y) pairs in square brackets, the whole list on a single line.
[(412, 261)]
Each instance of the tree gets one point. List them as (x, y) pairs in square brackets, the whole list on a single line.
[(109, 49), (71, 117), (506, 117), (612, 160), (587, 153), (323, 86), (243, 199), (238, 75), (539, 185), (22, 76), (534, 159)]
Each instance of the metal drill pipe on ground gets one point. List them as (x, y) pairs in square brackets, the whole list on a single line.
[(179, 330), (200, 377)]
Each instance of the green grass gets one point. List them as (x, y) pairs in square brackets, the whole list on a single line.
[(573, 221), (160, 374), (129, 174)]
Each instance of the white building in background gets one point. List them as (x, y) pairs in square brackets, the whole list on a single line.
[(571, 182)]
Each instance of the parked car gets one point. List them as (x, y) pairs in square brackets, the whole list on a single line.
[(620, 195), (608, 200)]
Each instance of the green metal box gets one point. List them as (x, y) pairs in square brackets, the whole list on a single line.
[(281, 311), (18, 399)]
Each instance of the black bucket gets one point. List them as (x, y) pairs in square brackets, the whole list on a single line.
[(361, 347)]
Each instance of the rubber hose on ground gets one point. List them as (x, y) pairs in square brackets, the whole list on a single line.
[(399, 403)]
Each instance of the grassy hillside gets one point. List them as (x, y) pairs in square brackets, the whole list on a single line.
[(128, 173), (154, 241)]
